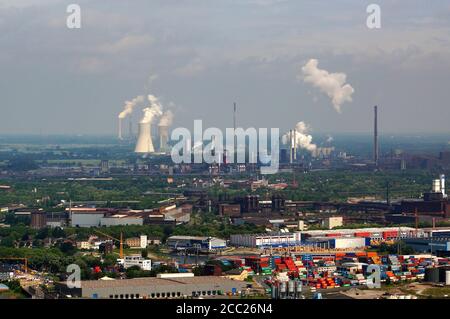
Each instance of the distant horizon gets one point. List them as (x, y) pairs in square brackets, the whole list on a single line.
[(315, 133), (282, 62)]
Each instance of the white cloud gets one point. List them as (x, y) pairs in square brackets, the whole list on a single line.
[(332, 84), (193, 68)]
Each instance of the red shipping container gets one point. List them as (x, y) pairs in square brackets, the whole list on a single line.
[(362, 234), (334, 235)]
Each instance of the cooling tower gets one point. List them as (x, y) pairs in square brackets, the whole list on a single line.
[(163, 137), (144, 142)]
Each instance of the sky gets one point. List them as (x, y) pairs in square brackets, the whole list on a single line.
[(200, 56)]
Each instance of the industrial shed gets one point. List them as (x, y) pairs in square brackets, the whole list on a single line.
[(153, 288)]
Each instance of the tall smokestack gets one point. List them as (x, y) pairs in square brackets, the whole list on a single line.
[(291, 155), (295, 145), (120, 129), (375, 136), (130, 128), (234, 136), (163, 132), (163, 129)]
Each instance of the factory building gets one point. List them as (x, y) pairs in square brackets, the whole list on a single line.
[(231, 210), (179, 286), (38, 219), (433, 204), (278, 239), (439, 246), (339, 243), (121, 220), (86, 218), (381, 233), (204, 244)]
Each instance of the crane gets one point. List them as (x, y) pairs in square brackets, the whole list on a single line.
[(118, 240), (25, 260)]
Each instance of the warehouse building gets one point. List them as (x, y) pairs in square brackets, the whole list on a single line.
[(153, 288), (381, 233), (276, 239), (338, 243), (86, 217), (121, 220), (192, 242), (439, 246)]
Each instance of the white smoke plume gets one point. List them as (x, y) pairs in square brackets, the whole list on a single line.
[(332, 84), (166, 118), (152, 111), (303, 139), (129, 106)]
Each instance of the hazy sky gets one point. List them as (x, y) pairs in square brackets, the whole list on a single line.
[(199, 56)]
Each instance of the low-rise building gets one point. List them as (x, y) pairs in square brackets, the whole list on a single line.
[(83, 245), (121, 220), (86, 218), (229, 209), (192, 242), (154, 288), (275, 239), (136, 260), (332, 222)]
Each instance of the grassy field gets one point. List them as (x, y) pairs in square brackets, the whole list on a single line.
[(437, 292)]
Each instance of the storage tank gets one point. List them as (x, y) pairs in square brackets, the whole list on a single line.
[(283, 287), (291, 286), (436, 186)]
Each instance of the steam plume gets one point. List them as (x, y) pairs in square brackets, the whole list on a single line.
[(332, 84), (129, 106), (330, 139), (152, 111), (166, 118), (303, 139)]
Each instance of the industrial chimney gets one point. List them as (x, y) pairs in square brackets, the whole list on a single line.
[(163, 137), (144, 142), (120, 129), (442, 185), (291, 143), (375, 137)]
